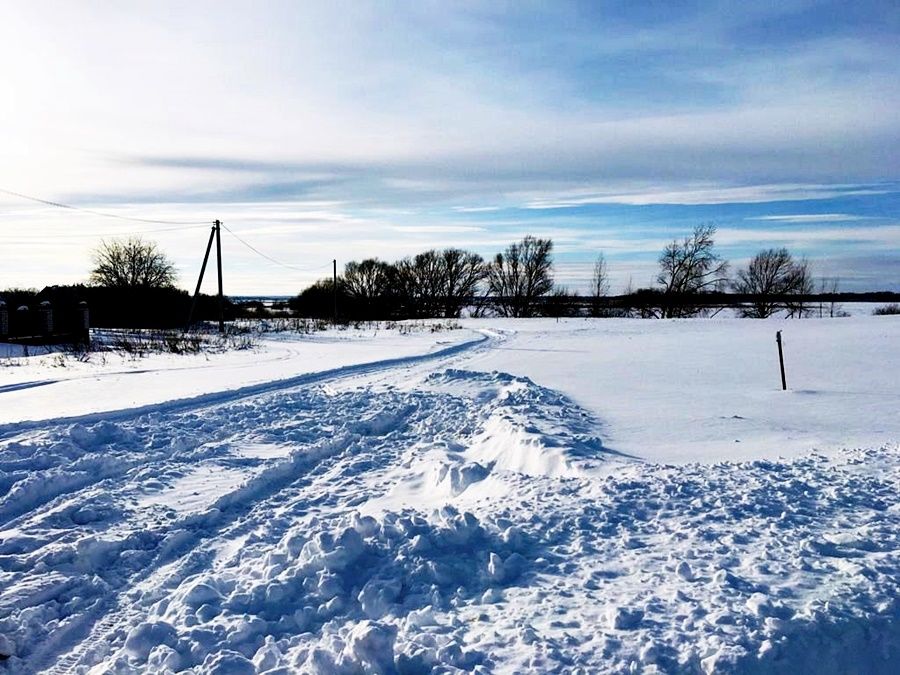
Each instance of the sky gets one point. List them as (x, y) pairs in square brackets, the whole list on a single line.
[(343, 130)]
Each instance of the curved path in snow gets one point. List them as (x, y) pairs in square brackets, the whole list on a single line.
[(6, 430)]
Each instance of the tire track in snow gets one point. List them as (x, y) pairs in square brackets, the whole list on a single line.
[(260, 503), (181, 551), (329, 488), (66, 485), (10, 431), (101, 616)]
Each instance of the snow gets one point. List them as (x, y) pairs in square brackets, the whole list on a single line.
[(707, 390), (517, 496), (48, 385)]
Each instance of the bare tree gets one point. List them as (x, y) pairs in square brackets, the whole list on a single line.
[(463, 272), (438, 283), (771, 277), (367, 280), (797, 304), (520, 275), (370, 288), (599, 285), (420, 283), (629, 308), (131, 263), (688, 267), (830, 287)]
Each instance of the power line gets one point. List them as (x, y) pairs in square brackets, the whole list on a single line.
[(60, 205), (158, 229), (190, 224), (270, 258), (94, 235)]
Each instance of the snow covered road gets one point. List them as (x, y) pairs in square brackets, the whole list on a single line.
[(43, 387), (421, 516)]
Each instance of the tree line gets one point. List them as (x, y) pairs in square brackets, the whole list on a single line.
[(436, 284), (690, 270), (132, 283), (692, 280)]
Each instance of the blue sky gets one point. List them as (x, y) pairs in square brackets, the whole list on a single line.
[(349, 129)]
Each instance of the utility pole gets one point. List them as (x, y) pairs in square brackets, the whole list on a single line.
[(216, 234), (212, 234), (334, 289), (219, 262)]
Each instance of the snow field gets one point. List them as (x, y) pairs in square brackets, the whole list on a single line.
[(706, 390), (428, 517)]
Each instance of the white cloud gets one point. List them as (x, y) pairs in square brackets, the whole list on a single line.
[(813, 218), (437, 229), (887, 236), (706, 193), (475, 209)]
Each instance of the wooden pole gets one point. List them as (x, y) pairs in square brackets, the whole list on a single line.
[(219, 265), (200, 280), (781, 360), (334, 288)]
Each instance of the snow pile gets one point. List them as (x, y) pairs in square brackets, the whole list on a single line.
[(523, 427), (93, 511)]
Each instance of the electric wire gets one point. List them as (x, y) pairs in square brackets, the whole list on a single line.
[(93, 235), (270, 258), (60, 205), (190, 224)]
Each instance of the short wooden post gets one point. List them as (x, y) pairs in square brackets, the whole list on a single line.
[(781, 360)]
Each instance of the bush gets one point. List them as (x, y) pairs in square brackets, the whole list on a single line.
[(887, 310)]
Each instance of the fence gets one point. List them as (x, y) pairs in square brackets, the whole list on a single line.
[(43, 324)]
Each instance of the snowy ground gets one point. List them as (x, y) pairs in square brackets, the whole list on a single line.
[(54, 385), (582, 496), (691, 390)]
